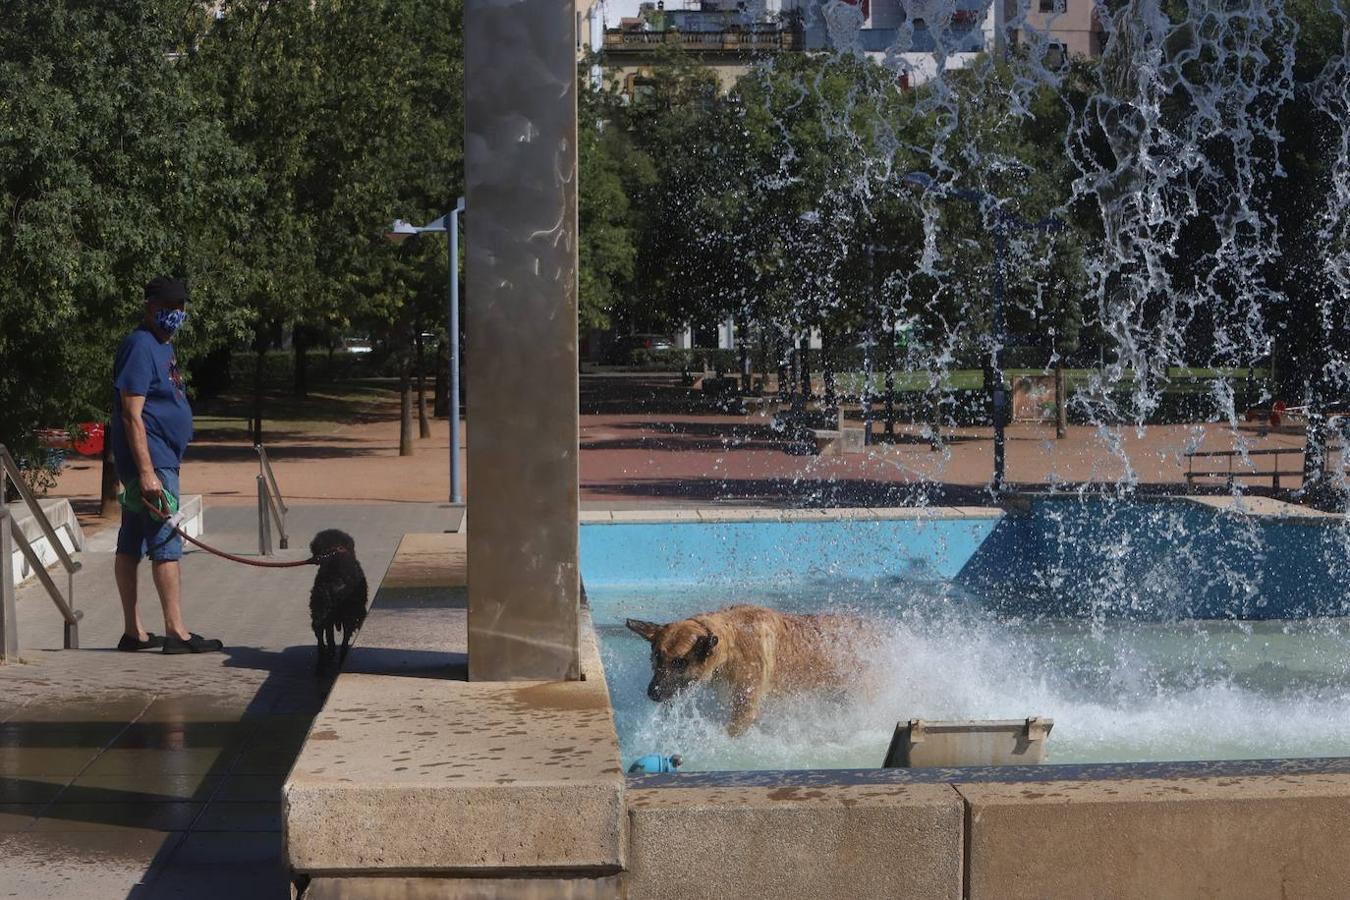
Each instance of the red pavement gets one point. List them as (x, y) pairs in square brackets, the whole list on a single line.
[(646, 440)]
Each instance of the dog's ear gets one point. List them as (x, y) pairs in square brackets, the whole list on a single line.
[(648, 630), (703, 647)]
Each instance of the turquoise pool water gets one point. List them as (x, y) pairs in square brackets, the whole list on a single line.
[(1125, 674)]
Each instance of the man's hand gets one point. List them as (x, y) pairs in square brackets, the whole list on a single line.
[(152, 492)]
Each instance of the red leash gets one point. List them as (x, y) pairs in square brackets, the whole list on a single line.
[(312, 561), (173, 521)]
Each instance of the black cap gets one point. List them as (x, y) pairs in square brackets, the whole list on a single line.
[(164, 289)]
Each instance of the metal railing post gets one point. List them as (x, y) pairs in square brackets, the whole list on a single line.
[(71, 633), (9, 471), (264, 521), (275, 503), (9, 622)]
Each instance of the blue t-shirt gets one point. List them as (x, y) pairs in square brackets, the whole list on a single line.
[(147, 368)]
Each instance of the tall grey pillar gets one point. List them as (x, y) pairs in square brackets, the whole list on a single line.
[(520, 118)]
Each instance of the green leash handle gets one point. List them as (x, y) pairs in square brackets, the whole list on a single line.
[(134, 501)]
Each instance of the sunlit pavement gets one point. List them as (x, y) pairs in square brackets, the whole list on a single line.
[(144, 775)]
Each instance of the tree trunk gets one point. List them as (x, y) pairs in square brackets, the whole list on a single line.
[(805, 355), (763, 360), (743, 347), (108, 490), (1061, 398), (440, 404), (831, 401), (300, 349), (1315, 444), (255, 427), (935, 416), (423, 425), (405, 426), (888, 333)]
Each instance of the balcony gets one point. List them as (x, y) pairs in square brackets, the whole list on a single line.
[(726, 41)]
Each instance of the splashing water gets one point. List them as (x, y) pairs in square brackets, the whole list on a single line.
[(1144, 691), (1169, 157)]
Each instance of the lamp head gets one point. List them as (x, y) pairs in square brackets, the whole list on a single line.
[(400, 231)]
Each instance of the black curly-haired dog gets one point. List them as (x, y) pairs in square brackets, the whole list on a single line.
[(338, 600)]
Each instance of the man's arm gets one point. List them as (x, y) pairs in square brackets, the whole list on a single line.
[(134, 428)]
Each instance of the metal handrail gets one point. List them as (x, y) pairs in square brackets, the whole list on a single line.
[(11, 532), (11, 468), (269, 502)]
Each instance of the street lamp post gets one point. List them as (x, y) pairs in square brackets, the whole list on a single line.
[(446, 223), (1003, 221)]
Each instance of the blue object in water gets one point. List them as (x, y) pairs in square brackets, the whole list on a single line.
[(655, 764)]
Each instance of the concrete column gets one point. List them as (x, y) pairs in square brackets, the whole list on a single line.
[(520, 77)]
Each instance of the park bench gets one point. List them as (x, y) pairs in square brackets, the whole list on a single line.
[(1228, 473)]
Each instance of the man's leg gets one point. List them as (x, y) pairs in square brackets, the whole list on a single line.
[(125, 570), (168, 584)]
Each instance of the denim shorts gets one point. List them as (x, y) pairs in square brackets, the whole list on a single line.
[(140, 530)]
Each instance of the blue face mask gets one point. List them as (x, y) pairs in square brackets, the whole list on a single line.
[(170, 320)]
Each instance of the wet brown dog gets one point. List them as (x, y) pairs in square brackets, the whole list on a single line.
[(756, 652)]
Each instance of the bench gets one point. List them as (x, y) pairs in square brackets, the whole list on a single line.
[(1229, 473), (837, 441)]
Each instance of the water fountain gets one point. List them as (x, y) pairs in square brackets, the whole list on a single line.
[(1174, 640), (1161, 163)]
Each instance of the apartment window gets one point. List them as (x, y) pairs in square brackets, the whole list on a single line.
[(1053, 6), (1056, 55)]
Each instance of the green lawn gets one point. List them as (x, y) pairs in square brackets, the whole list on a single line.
[(226, 417)]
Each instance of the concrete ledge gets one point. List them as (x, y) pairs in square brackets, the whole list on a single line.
[(852, 440), (409, 769), (770, 514), (1209, 837), (64, 523), (835, 841), (393, 888), (1267, 508)]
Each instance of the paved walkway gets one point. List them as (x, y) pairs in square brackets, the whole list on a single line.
[(148, 776)]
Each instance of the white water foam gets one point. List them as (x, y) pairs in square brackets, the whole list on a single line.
[(1125, 692)]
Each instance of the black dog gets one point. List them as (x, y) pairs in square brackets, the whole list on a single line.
[(338, 599)]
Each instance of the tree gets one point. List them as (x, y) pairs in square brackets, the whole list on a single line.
[(610, 166), (391, 146), (352, 116), (113, 169)]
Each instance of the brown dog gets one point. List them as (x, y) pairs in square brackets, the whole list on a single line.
[(756, 652)]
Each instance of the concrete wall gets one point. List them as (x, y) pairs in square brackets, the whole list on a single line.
[(1217, 837), (872, 841)]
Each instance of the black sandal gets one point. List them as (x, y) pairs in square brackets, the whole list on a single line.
[(194, 644), (130, 644)]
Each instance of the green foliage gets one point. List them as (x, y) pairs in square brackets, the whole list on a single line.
[(352, 114), (610, 167), (260, 154), (113, 169)]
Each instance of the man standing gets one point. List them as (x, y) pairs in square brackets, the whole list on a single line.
[(151, 428)]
